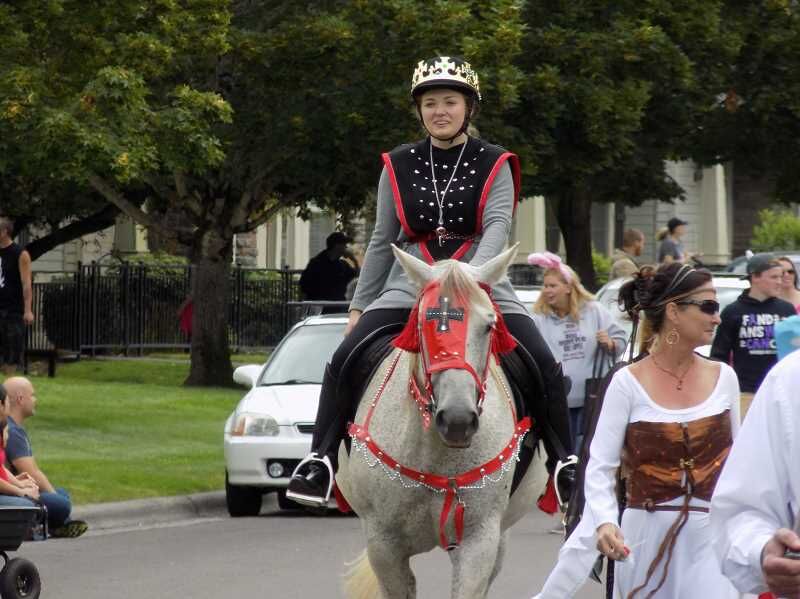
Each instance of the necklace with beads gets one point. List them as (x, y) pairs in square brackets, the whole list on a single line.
[(678, 378), (440, 229)]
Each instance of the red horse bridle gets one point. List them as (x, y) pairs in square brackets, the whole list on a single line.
[(439, 334)]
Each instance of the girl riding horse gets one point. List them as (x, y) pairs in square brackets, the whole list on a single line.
[(448, 196)]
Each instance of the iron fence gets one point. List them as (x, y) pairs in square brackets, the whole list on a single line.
[(131, 307)]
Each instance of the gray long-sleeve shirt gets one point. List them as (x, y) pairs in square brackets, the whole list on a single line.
[(383, 283), (574, 343)]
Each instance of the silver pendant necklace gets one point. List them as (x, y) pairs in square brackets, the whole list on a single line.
[(440, 230)]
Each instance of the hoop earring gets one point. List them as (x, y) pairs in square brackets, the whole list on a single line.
[(672, 337)]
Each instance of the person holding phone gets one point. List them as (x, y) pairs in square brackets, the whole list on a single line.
[(754, 510)]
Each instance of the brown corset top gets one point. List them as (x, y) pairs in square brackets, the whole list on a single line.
[(664, 460)]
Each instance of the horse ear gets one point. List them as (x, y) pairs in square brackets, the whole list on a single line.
[(495, 269), (419, 273)]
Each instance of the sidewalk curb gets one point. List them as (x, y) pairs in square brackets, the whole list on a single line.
[(146, 512)]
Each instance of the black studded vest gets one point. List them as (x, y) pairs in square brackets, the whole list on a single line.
[(409, 169)]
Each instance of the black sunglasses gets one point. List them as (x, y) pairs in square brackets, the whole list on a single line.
[(706, 306)]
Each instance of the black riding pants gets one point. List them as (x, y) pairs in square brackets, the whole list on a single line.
[(333, 410)]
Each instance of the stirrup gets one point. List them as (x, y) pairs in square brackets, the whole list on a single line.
[(311, 500), (568, 462)]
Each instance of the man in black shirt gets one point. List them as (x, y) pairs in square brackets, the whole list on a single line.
[(327, 274), (16, 295), (746, 337)]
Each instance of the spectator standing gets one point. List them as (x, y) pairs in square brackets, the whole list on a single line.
[(790, 292), (755, 503), (624, 260), (575, 328), (746, 337), (16, 296), (185, 315), (671, 247), (21, 402), (327, 274)]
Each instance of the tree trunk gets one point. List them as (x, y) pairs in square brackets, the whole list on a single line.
[(574, 215), (211, 356)]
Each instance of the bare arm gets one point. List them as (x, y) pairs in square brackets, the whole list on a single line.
[(27, 287), (29, 466)]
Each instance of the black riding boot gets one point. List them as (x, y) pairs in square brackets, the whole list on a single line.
[(557, 414), (311, 480)]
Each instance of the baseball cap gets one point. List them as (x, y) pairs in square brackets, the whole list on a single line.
[(336, 238), (675, 222), (758, 263)]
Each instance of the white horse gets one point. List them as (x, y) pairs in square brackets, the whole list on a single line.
[(415, 487)]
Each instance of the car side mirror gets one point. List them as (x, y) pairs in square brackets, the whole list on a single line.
[(247, 375)]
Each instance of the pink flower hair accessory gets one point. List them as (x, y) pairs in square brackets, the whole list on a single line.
[(549, 260)]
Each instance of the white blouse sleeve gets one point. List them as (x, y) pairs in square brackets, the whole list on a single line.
[(752, 498), (606, 449)]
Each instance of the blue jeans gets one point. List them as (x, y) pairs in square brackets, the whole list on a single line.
[(59, 507), (14, 501)]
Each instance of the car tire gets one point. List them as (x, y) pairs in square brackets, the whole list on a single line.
[(242, 501), (20, 579)]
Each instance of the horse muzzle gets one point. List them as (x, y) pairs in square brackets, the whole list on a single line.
[(457, 427)]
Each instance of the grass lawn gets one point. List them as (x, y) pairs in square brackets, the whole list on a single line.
[(113, 430), (236, 358)]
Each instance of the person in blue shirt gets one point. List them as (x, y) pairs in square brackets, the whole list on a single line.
[(20, 460)]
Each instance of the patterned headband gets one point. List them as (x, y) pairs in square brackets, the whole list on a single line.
[(548, 260)]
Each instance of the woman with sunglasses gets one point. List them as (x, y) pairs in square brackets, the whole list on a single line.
[(667, 424), (790, 292)]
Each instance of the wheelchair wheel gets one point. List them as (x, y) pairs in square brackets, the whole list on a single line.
[(20, 580)]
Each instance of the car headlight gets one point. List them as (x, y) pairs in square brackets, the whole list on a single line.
[(255, 425)]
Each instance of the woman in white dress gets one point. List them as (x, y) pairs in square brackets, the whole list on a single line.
[(668, 421)]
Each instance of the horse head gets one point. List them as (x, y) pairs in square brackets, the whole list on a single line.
[(455, 326)]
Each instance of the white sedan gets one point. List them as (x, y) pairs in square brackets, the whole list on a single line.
[(269, 432), (728, 289)]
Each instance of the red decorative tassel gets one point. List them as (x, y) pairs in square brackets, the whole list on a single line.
[(502, 339), (341, 502), (408, 339), (766, 596), (548, 502)]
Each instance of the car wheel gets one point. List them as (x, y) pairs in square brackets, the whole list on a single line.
[(287, 504), (242, 501), (20, 579)]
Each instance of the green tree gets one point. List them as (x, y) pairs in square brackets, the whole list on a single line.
[(756, 121), (211, 115), (612, 90)]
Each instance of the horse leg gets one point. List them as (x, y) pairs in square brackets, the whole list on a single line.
[(475, 563), (393, 570), (498, 562)]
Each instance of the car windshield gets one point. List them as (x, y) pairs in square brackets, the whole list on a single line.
[(302, 355)]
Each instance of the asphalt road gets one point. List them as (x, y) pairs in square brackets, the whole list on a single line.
[(279, 554)]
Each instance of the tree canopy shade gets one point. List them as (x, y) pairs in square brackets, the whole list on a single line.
[(756, 123), (612, 90), (211, 115)]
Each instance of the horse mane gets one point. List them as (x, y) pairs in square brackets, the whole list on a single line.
[(456, 283)]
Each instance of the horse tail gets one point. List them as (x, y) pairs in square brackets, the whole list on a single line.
[(360, 581)]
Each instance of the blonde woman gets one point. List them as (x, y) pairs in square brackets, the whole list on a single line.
[(575, 328)]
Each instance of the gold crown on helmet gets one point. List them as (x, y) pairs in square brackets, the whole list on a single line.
[(443, 70)]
